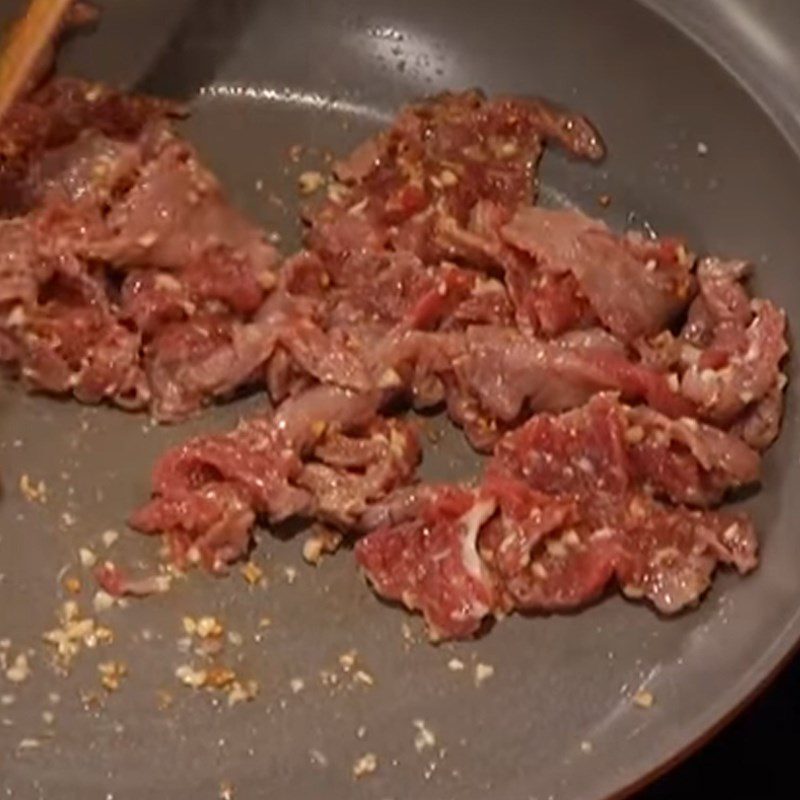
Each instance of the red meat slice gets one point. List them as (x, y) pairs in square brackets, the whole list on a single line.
[(431, 564), (322, 453), (190, 363), (734, 347), (599, 460), (109, 187), (608, 447), (741, 367), (346, 474), (545, 303), (669, 555), (551, 555), (685, 460), (440, 158), (635, 288), (580, 452), (174, 213)]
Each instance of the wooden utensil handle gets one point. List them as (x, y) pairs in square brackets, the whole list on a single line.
[(27, 41)]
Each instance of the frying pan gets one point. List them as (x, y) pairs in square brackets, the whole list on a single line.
[(700, 112)]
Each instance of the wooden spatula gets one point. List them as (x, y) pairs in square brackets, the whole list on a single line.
[(27, 42)]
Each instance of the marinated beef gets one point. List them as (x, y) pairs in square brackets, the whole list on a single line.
[(568, 505), (624, 387)]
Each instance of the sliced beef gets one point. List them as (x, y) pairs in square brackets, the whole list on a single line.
[(378, 288), (609, 447), (322, 453), (635, 287), (87, 170), (722, 299), (490, 378), (570, 504), (431, 563), (347, 474), (545, 303), (669, 555), (740, 367), (456, 122), (760, 423), (21, 266), (552, 556), (738, 346), (174, 213), (440, 158), (612, 463), (59, 328), (510, 376), (427, 278), (544, 555), (192, 362), (155, 343), (685, 460), (538, 552), (63, 108), (129, 277)]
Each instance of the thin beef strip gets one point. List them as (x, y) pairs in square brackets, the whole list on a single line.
[(608, 446), (321, 454), (567, 505), (635, 287), (430, 562), (728, 355), (493, 378), (58, 113), (545, 303), (115, 197), (439, 158), (735, 378), (664, 554)]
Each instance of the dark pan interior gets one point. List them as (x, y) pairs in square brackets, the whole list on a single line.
[(263, 76)]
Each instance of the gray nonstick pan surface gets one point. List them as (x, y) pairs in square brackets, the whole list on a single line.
[(697, 106)]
